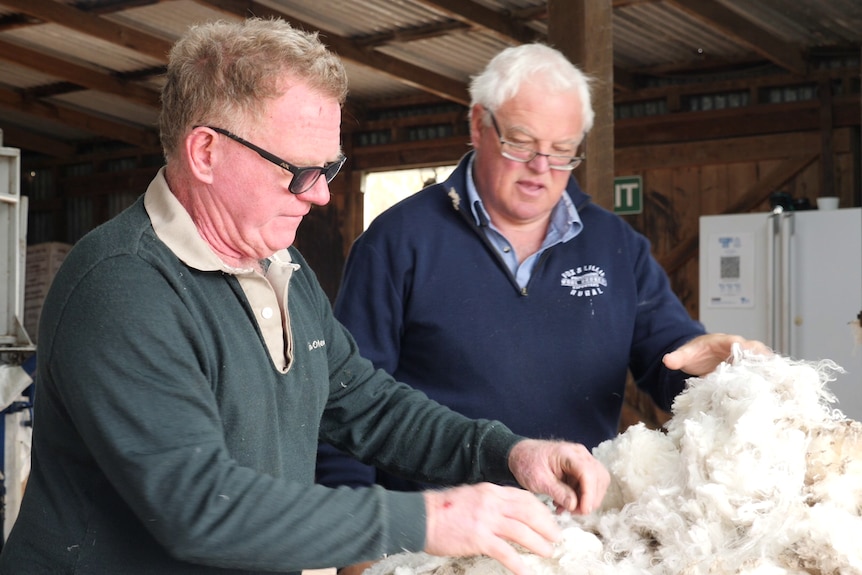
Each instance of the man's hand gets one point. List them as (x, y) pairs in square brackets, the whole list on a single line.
[(485, 519), (703, 354), (566, 472)]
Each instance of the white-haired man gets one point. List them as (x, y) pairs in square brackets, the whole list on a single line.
[(504, 292)]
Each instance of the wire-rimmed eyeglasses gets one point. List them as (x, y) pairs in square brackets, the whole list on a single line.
[(303, 177), (525, 153)]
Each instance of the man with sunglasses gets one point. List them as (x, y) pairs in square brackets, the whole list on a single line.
[(189, 361), (505, 293)]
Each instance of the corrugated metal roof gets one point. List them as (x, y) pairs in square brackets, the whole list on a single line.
[(370, 86), (651, 34), (17, 76), (358, 18), (109, 105), (805, 22), (648, 36), (457, 55), (60, 41), (170, 19)]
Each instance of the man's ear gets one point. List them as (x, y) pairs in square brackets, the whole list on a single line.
[(477, 118), (201, 148)]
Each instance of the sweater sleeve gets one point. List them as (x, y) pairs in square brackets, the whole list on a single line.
[(370, 305), (662, 325), (390, 425), (123, 371)]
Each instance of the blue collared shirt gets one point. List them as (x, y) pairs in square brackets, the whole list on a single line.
[(565, 224)]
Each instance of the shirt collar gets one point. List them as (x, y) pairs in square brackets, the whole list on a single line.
[(174, 226)]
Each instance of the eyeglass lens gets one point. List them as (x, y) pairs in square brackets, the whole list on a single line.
[(305, 178)]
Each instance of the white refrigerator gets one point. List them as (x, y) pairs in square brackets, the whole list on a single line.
[(792, 279)]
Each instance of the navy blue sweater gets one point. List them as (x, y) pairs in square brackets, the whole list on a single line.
[(428, 299)]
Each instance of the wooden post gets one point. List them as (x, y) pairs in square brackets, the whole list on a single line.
[(583, 31)]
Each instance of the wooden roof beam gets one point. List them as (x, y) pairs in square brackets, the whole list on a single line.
[(29, 140), (412, 34), (415, 76), (510, 27), (530, 13), (502, 25), (80, 120), (717, 16), (70, 17), (65, 15), (76, 74)]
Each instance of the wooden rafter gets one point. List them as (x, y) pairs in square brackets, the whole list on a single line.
[(31, 140), (476, 15), (412, 34), (86, 23), (85, 77), (730, 23), (82, 121), (399, 70), (158, 48), (511, 28)]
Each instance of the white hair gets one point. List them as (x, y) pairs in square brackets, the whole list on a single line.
[(510, 69)]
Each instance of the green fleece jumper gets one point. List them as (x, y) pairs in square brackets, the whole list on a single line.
[(175, 431)]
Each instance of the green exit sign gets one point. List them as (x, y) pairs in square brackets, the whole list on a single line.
[(628, 195)]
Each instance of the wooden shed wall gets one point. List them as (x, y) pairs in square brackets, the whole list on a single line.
[(681, 182)]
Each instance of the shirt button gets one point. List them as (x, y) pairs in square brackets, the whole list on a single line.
[(266, 312)]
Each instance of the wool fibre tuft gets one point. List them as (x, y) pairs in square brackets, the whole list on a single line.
[(757, 472)]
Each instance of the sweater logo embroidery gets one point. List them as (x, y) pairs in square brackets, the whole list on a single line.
[(316, 344), (584, 281)]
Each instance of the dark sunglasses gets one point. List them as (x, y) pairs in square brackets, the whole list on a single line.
[(303, 178)]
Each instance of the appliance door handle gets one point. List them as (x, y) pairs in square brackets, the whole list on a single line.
[(773, 263), (788, 225)]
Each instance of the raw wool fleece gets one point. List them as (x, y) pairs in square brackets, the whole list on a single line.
[(757, 473)]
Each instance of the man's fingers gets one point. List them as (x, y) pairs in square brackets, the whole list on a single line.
[(704, 353), (592, 489), (538, 537), (567, 472), (506, 554), (530, 517), (564, 496)]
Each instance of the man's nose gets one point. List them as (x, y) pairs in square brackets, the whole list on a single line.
[(317, 194), (539, 162)]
